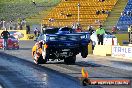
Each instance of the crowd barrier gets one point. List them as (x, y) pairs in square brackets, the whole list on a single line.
[(117, 51), (102, 50), (122, 52)]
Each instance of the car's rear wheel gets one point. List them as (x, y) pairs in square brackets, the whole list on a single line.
[(84, 51)]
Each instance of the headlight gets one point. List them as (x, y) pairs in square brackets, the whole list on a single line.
[(83, 36), (52, 38)]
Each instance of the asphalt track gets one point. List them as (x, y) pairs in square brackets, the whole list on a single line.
[(23, 74), (17, 70)]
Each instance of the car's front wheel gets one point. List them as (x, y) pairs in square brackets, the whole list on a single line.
[(38, 58)]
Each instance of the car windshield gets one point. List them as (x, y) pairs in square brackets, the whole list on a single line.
[(66, 29), (51, 31), (12, 37)]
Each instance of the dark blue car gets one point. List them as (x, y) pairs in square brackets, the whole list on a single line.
[(63, 44)]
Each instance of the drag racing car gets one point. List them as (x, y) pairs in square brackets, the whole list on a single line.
[(62, 46), (12, 43)]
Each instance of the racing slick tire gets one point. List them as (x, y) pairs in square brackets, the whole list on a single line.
[(39, 60), (84, 51), (45, 56), (70, 60)]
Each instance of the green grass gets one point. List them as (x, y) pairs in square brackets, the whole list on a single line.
[(114, 16), (13, 9), (121, 38)]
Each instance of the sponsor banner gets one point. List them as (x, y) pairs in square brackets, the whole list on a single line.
[(110, 82), (20, 34), (122, 51)]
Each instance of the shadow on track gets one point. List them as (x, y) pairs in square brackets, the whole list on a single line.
[(123, 63), (89, 64)]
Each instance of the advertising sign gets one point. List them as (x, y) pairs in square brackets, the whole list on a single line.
[(20, 34), (122, 51)]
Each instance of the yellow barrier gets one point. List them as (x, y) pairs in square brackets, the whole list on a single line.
[(21, 33), (102, 50)]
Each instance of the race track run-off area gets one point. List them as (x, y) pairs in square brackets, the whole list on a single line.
[(17, 70)]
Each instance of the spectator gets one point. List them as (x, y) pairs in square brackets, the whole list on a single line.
[(74, 26), (44, 28), (100, 34), (33, 1), (3, 24), (114, 30), (15, 26), (61, 13), (103, 12), (28, 29), (68, 15), (51, 20), (98, 22), (128, 13), (19, 23), (21, 27), (38, 33), (78, 29), (90, 29), (129, 31), (11, 25), (107, 12), (121, 13), (5, 34), (97, 12), (35, 32), (124, 14), (93, 39), (23, 22), (0, 23), (101, 0)]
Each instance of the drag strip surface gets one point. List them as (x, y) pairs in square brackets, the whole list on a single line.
[(20, 64), (18, 73)]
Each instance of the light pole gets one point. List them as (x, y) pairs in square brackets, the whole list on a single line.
[(78, 12)]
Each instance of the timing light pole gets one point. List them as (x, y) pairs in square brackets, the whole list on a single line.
[(78, 12)]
